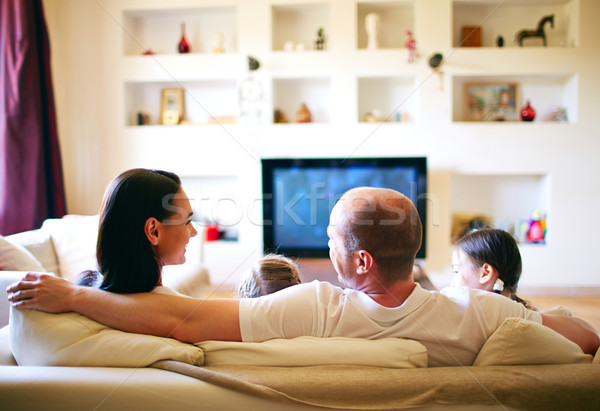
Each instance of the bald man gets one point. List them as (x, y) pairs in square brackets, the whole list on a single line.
[(374, 235)]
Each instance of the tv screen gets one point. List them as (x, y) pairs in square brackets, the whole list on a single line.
[(298, 195)]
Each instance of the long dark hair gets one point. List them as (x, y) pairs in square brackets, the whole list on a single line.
[(126, 261), (500, 250)]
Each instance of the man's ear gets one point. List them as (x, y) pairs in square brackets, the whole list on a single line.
[(488, 276), (364, 262), (152, 230)]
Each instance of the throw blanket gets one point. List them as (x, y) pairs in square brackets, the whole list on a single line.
[(537, 387)]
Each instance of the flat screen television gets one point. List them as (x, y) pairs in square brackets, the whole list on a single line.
[(298, 195)]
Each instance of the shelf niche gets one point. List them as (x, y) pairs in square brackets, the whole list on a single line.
[(510, 17), (395, 18), (507, 199), (160, 30), (298, 24), (390, 96), (203, 99), (290, 93), (546, 93)]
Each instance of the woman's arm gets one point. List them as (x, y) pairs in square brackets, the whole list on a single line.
[(186, 319), (575, 329)]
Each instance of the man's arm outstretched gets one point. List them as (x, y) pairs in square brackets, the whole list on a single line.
[(183, 318)]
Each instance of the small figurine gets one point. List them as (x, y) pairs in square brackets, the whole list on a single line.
[(148, 52), (279, 117), (183, 44), (303, 115), (500, 41), (537, 228), (218, 40), (411, 45), (539, 32), (372, 29), (320, 41)]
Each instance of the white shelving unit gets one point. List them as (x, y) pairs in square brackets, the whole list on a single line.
[(341, 84)]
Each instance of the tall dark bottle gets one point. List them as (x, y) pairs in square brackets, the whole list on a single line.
[(183, 44)]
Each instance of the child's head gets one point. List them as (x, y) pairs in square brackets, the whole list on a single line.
[(270, 274), (485, 255)]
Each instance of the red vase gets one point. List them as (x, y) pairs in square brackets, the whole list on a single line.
[(527, 112), (183, 44)]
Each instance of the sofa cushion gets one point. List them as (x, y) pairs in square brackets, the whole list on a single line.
[(523, 342), (6, 357), (38, 243), (15, 257), (309, 351), (70, 339), (74, 238)]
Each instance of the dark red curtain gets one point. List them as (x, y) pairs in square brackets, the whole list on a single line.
[(31, 183)]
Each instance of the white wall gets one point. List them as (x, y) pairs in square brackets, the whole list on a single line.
[(86, 45)]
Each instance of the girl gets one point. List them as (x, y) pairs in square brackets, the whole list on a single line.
[(489, 259), (272, 273)]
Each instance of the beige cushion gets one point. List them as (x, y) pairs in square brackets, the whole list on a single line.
[(70, 339), (38, 243), (15, 257), (307, 351), (525, 342), (74, 238), (6, 357)]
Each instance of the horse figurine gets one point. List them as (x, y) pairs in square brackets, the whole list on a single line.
[(536, 33)]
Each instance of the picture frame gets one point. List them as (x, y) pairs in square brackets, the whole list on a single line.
[(172, 106), (492, 101)]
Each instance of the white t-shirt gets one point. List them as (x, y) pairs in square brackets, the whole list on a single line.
[(453, 323)]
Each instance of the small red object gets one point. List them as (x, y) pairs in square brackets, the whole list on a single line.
[(212, 232), (183, 44), (527, 112)]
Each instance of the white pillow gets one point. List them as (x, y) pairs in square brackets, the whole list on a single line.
[(38, 243), (74, 238), (15, 257), (70, 339), (523, 342), (308, 351)]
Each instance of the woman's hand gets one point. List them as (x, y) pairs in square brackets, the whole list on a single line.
[(42, 292)]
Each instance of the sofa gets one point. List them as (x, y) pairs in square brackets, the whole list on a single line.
[(67, 361)]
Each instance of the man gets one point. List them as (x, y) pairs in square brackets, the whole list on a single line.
[(374, 237)]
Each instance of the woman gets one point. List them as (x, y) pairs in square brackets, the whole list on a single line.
[(145, 224), (488, 259)]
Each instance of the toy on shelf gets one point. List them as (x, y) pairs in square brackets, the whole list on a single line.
[(411, 46), (537, 228), (303, 115), (539, 32)]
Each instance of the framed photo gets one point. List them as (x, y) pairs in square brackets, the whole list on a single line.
[(493, 101), (172, 106)]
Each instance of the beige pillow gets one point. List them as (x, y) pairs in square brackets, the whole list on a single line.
[(518, 341), (307, 351), (74, 238), (70, 339), (15, 257)]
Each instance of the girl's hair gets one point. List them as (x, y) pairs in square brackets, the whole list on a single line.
[(126, 261), (500, 250), (272, 273)]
